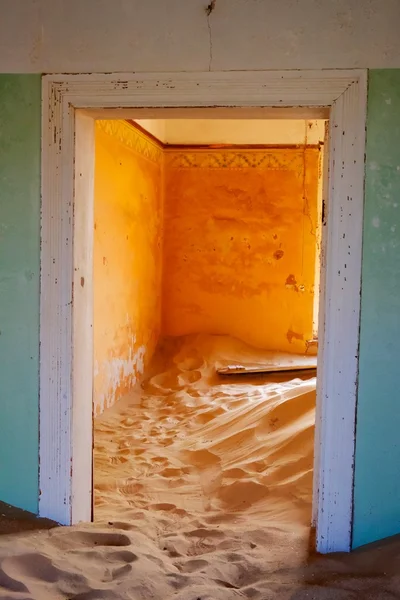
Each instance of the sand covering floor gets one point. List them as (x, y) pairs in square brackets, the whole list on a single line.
[(202, 492)]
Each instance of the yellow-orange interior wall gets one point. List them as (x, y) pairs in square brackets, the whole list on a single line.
[(240, 244), (127, 257)]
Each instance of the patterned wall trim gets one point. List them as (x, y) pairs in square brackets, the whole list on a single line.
[(132, 138), (271, 158)]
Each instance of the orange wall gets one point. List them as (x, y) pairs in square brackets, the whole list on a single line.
[(127, 258), (239, 244)]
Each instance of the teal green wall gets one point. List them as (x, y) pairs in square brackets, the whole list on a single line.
[(19, 287), (377, 466)]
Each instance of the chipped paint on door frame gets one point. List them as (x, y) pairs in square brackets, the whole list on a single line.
[(70, 103)]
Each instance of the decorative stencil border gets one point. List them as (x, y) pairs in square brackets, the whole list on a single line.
[(286, 159), (132, 138)]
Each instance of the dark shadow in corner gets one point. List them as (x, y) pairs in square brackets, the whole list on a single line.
[(15, 520)]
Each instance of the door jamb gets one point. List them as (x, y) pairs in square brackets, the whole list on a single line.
[(70, 104)]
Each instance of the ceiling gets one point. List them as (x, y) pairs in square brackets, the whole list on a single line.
[(238, 131)]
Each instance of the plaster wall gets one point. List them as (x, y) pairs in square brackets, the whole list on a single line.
[(377, 461), (19, 288), (133, 35), (54, 36), (127, 258), (240, 244)]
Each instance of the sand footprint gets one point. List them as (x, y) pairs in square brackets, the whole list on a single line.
[(206, 533), (90, 539), (164, 506), (33, 566), (98, 594), (130, 489), (170, 472), (11, 584), (168, 441), (235, 473), (159, 460), (118, 572), (195, 564), (116, 460), (188, 377), (200, 458)]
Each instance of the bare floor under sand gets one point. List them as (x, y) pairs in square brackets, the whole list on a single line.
[(202, 492)]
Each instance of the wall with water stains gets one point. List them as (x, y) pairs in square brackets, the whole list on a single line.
[(240, 244), (127, 258)]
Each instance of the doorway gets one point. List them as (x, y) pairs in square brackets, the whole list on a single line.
[(66, 314), (206, 249)]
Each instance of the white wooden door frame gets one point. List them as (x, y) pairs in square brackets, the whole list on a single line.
[(70, 105)]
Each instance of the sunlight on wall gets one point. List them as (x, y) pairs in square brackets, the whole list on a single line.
[(238, 255), (240, 244), (127, 258), (235, 131)]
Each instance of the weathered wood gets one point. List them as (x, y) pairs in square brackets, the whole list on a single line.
[(259, 369)]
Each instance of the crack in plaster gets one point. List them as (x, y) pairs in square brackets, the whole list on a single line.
[(209, 10)]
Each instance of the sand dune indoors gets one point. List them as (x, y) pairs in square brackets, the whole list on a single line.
[(202, 492), (208, 445)]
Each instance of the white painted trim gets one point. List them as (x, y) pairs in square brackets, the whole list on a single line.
[(224, 89), (340, 322), (321, 318), (82, 380), (322, 184), (63, 427), (55, 400), (258, 112)]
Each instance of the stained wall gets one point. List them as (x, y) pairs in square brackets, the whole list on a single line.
[(53, 36), (19, 288), (377, 461), (240, 244), (127, 258)]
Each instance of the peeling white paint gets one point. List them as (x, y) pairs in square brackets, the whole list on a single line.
[(334, 448), (116, 370)]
